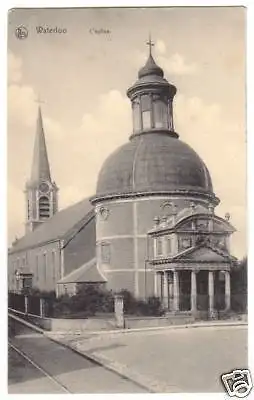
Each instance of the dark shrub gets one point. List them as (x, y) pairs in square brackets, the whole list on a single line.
[(89, 300), (154, 306), (239, 287), (132, 306)]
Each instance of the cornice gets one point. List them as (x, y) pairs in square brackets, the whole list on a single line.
[(135, 195)]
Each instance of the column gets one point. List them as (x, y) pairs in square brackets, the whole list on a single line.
[(42, 308), (119, 312), (26, 304), (165, 289), (176, 290), (155, 290), (211, 292), (227, 290), (170, 291), (193, 291)]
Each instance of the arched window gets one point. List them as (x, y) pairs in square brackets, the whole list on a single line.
[(170, 116), (44, 208), (159, 246), (160, 112), (146, 108), (136, 115)]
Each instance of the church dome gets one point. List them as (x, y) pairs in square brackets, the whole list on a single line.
[(153, 163)]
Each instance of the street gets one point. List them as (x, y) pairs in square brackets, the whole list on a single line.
[(176, 360), (66, 370), (160, 360)]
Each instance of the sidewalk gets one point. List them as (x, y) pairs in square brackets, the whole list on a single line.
[(167, 359)]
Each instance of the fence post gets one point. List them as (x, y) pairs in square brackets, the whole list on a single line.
[(119, 314), (42, 307), (26, 305)]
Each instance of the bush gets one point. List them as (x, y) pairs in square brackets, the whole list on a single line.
[(39, 293), (93, 299), (239, 286), (132, 306), (89, 300), (154, 306)]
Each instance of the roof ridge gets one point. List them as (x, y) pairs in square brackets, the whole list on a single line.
[(55, 227)]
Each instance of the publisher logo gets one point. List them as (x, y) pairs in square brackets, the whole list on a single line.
[(21, 32), (237, 383)]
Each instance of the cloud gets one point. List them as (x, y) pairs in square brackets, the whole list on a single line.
[(221, 144), (172, 64), (161, 47), (16, 214), (107, 128), (76, 156), (14, 68), (21, 104), (177, 65)]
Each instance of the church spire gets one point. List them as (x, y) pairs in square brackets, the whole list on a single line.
[(41, 192), (40, 166)]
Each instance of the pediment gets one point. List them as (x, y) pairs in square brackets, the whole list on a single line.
[(204, 253), (201, 223)]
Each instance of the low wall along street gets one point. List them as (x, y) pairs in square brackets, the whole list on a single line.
[(109, 323), (39, 312)]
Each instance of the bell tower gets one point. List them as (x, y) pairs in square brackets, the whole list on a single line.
[(41, 192)]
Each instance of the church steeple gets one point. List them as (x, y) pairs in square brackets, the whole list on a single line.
[(152, 100), (40, 166), (41, 192)]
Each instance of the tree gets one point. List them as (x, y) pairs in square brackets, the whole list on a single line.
[(239, 286)]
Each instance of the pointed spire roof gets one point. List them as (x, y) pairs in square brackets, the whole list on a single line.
[(40, 167)]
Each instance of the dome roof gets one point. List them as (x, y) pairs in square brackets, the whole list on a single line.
[(154, 162), (150, 68)]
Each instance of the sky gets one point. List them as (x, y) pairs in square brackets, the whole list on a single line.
[(82, 77)]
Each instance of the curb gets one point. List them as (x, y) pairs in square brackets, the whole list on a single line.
[(28, 324), (118, 369), (151, 328), (121, 370)]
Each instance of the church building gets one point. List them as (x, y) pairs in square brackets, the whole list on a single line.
[(151, 226)]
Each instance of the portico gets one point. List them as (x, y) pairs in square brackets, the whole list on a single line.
[(191, 261), (193, 290)]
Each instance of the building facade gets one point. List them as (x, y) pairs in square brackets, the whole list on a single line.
[(191, 260), (151, 226), (153, 176)]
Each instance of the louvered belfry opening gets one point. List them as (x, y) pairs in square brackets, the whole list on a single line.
[(44, 207)]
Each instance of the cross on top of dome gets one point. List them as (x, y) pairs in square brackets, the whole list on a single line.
[(150, 68), (150, 44)]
